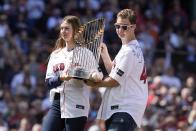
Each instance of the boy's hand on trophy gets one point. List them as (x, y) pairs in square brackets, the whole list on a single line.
[(96, 76)]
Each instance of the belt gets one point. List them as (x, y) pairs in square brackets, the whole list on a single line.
[(57, 96)]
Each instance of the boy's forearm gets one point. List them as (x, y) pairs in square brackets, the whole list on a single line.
[(108, 83), (107, 61)]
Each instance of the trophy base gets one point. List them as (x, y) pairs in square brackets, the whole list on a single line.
[(79, 73)]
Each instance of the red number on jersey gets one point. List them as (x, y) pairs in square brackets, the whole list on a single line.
[(55, 68), (62, 66), (143, 75), (58, 67)]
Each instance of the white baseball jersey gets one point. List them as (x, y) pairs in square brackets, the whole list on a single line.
[(132, 93), (74, 94)]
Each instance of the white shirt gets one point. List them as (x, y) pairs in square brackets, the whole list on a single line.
[(132, 93), (74, 94)]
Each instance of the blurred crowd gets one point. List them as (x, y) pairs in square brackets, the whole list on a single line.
[(165, 29)]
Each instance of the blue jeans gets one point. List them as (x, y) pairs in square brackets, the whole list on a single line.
[(120, 121), (54, 122)]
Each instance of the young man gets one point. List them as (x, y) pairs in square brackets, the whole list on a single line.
[(125, 99)]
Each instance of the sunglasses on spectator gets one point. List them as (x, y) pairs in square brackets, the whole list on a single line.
[(124, 27)]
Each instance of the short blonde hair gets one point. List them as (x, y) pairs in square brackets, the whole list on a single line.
[(128, 14)]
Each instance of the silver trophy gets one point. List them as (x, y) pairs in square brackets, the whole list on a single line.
[(86, 54)]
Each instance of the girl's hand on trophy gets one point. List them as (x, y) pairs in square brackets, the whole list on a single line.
[(65, 77)]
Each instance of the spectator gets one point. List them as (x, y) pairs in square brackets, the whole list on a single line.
[(23, 83)]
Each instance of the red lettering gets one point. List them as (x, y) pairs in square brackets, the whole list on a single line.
[(143, 75)]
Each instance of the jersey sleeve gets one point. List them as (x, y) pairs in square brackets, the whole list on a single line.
[(49, 71), (121, 68), (53, 82)]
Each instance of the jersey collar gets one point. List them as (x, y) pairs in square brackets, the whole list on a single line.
[(130, 43)]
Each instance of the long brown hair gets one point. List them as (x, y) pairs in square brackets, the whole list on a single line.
[(75, 23)]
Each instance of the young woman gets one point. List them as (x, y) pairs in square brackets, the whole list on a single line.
[(70, 97)]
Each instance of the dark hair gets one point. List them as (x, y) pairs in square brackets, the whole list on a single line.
[(75, 23), (128, 13)]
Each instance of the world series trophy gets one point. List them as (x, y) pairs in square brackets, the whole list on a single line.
[(86, 53)]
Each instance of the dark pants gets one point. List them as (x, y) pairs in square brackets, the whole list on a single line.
[(54, 122), (120, 121)]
